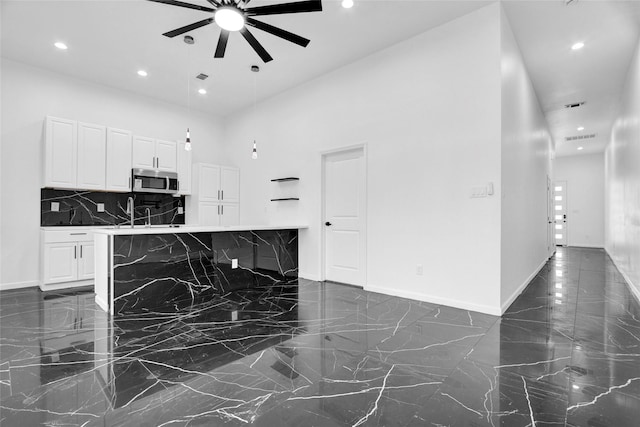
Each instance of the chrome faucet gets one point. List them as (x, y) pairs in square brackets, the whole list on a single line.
[(148, 222), (130, 209)]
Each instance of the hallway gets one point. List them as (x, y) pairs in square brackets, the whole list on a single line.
[(567, 352)]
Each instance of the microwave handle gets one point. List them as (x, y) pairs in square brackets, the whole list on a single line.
[(168, 183)]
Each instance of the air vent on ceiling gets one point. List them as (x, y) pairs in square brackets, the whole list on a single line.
[(574, 105), (579, 137), (202, 76)]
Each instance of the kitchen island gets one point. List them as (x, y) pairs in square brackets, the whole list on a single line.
[(165, 270)]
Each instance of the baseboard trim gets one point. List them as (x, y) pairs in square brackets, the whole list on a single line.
[(65, 285), (632, 287), (464, 305), (19, 285), (312, 277), (519, 289), (586, 245)]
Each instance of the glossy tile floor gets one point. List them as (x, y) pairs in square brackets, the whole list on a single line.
[(566, 353)]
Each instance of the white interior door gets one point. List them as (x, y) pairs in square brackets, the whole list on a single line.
[(345, 217), (560, 212)]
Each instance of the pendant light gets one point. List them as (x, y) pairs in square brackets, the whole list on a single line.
[(188, 40), (255, 69)]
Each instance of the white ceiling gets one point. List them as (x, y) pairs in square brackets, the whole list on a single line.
[(109, 40), (545, 32)]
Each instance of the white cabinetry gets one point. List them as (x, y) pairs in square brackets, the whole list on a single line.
[(151, 153), (67, 259), (118, 160), (184, 169), (215, 195), (61, 153), (91, 156)]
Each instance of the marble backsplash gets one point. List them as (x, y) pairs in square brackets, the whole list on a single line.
[(81, 208)]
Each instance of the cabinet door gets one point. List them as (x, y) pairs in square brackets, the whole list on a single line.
[(166, 156), (229, 214), (85, 261), (61, 150), (184, 169), (229, 184), (144, 153), (91, 156), (208, 213), (209, 183), (118, 160), (60, 262)]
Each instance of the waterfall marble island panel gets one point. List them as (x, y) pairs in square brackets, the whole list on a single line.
[(166, 270)]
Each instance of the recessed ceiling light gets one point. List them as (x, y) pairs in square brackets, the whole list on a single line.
[(142, 73), (347, 4), (202, 91), (580, 127), (60, 45), (580, 148), (577, 46)]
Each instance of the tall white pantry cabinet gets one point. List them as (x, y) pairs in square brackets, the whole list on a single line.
[(215, 195)]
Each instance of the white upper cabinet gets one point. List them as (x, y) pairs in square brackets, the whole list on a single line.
[(184, 169), (118, 160), (144, 152), (166, 155), (229, 184), (208, 183), (149, 153), (91, 156), (61, 153)]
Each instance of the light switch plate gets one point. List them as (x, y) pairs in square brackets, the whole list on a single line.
[(234, 315), (55, 206), (100, 207), (234, 263)]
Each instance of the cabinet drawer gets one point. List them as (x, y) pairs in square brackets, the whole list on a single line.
[(63, 236)]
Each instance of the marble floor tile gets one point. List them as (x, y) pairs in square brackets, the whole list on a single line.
[(565, 353)]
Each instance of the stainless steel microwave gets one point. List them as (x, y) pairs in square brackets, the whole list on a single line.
[(153, 181)]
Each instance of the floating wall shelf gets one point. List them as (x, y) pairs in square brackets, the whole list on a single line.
[(288, 198), (291, 178)]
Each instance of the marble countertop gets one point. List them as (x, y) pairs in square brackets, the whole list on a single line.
[(126, 230)]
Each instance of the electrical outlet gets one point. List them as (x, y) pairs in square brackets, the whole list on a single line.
[(419, 270), (234, 315), (180, 210), (100, 207), (234, 263), (55, 206)]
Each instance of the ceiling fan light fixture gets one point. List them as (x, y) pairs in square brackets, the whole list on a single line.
[(347, 4), (229, 18)]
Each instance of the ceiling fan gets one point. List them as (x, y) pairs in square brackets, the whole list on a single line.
[(234, 15)]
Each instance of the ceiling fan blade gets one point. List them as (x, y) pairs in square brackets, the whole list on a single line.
[(255, 44), (188, 28), (183, 4), (222, 44), (295, 7), (284, 34)]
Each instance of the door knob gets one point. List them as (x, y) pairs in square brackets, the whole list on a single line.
[(327, 223)]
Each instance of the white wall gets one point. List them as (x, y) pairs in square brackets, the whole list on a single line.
[(428, 110), (525, 164), (622, 182), (584, 175), (28, 95)]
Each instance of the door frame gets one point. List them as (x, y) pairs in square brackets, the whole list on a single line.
[(323, 204)]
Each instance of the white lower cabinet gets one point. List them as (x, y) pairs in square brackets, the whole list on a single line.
[(209, 213), (67, 259)]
